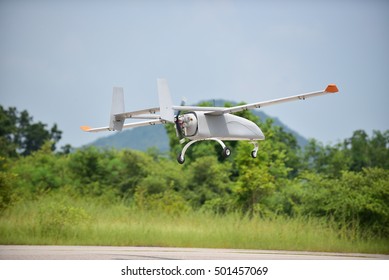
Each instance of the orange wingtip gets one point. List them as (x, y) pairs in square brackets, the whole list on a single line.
[(85, 128), (332, 88)]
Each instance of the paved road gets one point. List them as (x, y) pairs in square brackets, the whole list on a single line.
[(11, 252)]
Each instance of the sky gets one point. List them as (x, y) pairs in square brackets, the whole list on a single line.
[(59, 60)]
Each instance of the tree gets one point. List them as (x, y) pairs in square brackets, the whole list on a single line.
[(20, 135), (7, 181), (259, 178), (359, 150), (208, 179), (353, 154), (379, 149), (8, 131), (355, 199), (40, 172)]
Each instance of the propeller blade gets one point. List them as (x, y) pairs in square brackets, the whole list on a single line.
[(177, 123)]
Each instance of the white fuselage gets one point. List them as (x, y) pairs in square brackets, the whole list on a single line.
[(198, 125)]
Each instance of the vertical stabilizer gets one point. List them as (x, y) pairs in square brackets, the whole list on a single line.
[(117, 108), (165, 101)]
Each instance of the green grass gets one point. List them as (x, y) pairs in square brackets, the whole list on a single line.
[(64, 221)]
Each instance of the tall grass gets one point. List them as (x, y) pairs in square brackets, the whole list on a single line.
[(62, 220)]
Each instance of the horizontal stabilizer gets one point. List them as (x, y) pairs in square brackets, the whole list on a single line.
[(85, 128), (126, 125), (98, 129), (140, 114)]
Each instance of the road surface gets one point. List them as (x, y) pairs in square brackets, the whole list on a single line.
[(19, 252)]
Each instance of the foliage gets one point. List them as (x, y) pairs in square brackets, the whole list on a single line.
[(40, 172), (116, 224), (57, 217), (345, 185), (208, 179), (356, 199), (353, 154), (168, 201), (20, 135), (7, 180)]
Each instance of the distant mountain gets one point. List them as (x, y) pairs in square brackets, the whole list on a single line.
[(139, 138), (301, 141), (142, 138)]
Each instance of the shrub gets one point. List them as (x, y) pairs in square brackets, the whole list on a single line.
[(57, 219)]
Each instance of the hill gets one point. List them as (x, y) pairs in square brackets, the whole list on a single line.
[(139, 138), (143, 138)]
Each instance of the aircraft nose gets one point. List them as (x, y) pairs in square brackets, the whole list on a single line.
[(256, 132), (260, 134)]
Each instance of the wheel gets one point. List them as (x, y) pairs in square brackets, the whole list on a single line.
[(226, 152), (253, 154), (180, 159)]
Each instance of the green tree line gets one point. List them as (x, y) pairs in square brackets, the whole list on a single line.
[(19, 134), (346, 184)]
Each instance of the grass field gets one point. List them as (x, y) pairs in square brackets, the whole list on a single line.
[(67, 221)]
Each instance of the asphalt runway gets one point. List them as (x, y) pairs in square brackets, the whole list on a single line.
[(19, 252)]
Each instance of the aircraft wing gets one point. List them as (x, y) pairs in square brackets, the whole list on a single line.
[(126, 125), (199, 108), (219, 111)]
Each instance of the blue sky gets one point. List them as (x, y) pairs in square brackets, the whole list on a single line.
[(60, 59)]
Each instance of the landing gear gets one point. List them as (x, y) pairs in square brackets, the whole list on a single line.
[(225, 153), (255, 151), (181, 159)]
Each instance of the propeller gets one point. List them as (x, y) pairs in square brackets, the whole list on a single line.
[(180, 133)]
